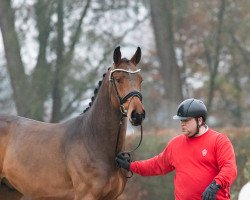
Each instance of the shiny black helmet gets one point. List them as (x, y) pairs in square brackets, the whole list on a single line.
[(191, 108)]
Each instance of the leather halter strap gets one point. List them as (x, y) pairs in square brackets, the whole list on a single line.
[(122, 100), (131, 94), (123, 70)]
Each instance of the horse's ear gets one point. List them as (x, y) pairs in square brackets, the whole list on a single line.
[(137, 56), (117, 55)]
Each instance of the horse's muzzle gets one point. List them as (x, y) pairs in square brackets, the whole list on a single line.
[(137, 118)]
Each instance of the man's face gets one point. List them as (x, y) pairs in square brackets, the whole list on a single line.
[(188, 127)]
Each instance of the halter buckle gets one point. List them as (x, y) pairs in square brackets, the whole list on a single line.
[(123, 110)]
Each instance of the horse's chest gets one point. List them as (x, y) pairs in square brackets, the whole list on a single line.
[(99, 185)]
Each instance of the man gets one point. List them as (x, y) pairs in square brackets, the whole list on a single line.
[(203, 159)]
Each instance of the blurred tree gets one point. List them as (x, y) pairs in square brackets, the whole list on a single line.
[(5, 100), (53, 88), (42, 73), (226, 63), (18, 78), (162, 20), (214, 64), (213, 46)]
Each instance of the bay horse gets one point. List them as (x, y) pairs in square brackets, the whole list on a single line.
[(75, 159)]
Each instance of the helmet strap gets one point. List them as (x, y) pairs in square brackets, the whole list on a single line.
[(197, 127)]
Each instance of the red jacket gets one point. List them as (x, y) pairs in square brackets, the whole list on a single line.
[(197, 162)]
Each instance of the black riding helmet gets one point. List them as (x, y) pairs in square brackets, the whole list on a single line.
[(191, 108)]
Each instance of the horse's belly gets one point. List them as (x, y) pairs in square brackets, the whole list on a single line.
[(42, 188), (39, 181)]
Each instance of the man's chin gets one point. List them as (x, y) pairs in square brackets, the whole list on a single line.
[(187, 133)]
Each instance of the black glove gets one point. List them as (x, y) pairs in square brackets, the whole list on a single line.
[(210, 191), (123, 160)]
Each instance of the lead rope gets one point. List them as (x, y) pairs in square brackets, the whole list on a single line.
[(127, 154), (117, 140)]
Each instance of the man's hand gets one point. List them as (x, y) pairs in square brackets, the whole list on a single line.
[(210, 191), (123, 161)]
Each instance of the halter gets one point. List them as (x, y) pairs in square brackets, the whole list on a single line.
[(124, 111), (122, 100)]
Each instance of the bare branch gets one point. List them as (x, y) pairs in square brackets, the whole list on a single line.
[(76, 35)]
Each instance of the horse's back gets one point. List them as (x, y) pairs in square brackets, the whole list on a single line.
[(6, 122), (9, 125)]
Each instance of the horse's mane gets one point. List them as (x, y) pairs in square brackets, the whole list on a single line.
[(98, 86), (95, 93)]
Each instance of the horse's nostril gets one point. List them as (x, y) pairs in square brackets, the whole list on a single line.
[(137, 118), (133, 115)]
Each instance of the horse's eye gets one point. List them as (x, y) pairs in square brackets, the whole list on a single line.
[(118, 80), (140, 80)]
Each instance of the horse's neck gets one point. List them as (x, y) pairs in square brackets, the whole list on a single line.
[(105, 121)]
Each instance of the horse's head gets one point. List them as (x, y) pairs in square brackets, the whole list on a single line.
[(126, 82)]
